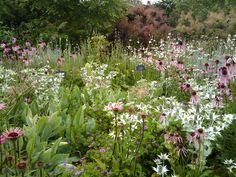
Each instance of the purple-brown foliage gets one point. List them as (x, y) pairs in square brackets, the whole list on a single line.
[(143, 23)]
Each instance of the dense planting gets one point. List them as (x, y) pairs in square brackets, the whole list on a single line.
[(164, 110)]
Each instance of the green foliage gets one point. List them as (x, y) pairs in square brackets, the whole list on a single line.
[(49, 19)]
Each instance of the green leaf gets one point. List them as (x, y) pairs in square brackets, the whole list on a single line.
[(91, 125), (100, 164)]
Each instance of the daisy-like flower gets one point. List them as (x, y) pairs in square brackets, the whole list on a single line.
[(200, 134), (2, 139), (191, 137), (181, 150), (3, 45), (162, 117), (163, 156), (22, 165), (115, 106), (175, 137), (60, 61), (13, 133), (195, 99), (160, 65), (217, 101), (185, 87), (14, 40), (2, 106), (160, 169), (42, 44)]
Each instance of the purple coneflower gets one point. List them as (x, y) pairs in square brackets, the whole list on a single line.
[(13, 133), (115, 106), (181, 150), (195, 99)]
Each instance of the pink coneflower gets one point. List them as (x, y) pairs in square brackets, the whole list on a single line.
[(2, 139), (180, 65), (26, 61), (13, 133), (160, 65), (42, 44), (217, 101), (191, 137), (6, 50), (224, 76), (200, 134), (176, 138), (3, 106), (73, 55), (60, 61), (162, 117), (3, 45), (115, 106), (185, 87), (28, 44), (195, 99), (181, 150), (15, 48), (14, 40)]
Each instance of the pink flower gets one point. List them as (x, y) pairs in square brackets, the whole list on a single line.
[(16, 48), (181, 150), (180, 65), (14, 40), (3, 106), (175, 138), (6, 50), (195, 99), (28, 44), (191, 137), (160, 65), (60, 61), (200, 134), (224, 76), (115, 106), (185, 87), (162, 117), (217, 101), (13, 133), (2, 139), (3, 45), (42, 44), (73, 55)]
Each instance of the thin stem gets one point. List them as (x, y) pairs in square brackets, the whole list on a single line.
[(138, 148)]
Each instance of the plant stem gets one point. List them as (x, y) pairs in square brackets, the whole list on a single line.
[(138, 148)]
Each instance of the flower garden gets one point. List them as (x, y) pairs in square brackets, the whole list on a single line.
[(164, 110)]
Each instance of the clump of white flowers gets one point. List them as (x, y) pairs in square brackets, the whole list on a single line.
[(96, 76), (7, 79), (231, 165), (45, 82)]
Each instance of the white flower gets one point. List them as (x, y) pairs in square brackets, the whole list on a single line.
[(160, 169), (163, 156)]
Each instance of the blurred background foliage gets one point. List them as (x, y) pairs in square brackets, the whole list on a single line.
[(79, 20)]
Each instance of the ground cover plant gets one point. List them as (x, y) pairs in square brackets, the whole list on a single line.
[(166, 109)]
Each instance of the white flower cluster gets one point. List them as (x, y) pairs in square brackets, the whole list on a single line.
[(95, 76), (7, 79), (46, 84), (231, 165)]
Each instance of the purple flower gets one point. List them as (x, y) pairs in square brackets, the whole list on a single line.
[(77, 173), (102, 150)]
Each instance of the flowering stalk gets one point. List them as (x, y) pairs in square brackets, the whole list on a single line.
[(140, 143)]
